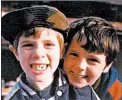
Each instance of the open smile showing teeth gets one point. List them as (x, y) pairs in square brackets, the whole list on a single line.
[(39, 67), (79, 76)]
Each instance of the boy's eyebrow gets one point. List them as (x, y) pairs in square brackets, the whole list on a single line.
[(25, 41), (51, 41), (72, 50)]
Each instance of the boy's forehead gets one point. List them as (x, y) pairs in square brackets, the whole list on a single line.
[(45, 32)]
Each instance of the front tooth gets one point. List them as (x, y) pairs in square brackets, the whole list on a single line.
[(39, 67), (79, 76)]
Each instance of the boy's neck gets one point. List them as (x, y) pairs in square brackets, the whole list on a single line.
[(97, 83), (39, 85)]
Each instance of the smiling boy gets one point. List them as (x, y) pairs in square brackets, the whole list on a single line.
[(39, 52), (91, 48), (37, 35)]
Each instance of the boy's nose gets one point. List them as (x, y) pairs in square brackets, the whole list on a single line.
[(82, 65), (39, 52)]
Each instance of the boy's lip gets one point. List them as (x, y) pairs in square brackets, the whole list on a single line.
[(78, 75), (39, 68)]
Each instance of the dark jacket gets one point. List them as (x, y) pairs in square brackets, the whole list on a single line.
[(60, 90), (110, 87)]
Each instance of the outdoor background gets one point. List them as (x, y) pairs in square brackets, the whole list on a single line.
[(110, 10)]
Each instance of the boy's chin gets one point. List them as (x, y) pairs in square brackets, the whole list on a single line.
[(78, 85), (41, 79)]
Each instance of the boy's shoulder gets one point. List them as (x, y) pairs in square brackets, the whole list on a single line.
[(13, 91), (116, 84), (115, 75)]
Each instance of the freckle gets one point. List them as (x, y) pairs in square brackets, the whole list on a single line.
[(37, 35)]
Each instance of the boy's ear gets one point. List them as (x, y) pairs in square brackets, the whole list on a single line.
[(64, 50), (13, 49), (106, 69)]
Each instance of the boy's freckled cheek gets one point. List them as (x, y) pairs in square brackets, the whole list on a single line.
[(26, 52)]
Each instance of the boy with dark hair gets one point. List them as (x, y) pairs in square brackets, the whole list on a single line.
[(91, 48), (37, 36)]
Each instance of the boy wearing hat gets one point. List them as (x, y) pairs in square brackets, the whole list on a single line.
[(37, 37), (92, 47)]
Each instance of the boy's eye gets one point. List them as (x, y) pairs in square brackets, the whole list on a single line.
[(93, 60), (27, 45), (49, 45), (74, 54)]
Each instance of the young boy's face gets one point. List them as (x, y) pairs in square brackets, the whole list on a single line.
[(39, 55), (82, 67)]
